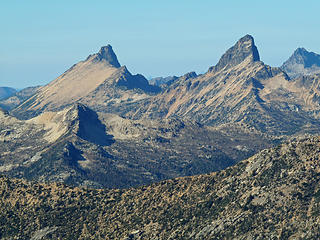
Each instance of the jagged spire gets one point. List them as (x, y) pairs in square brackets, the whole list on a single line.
[(106, 53), (243, 49)]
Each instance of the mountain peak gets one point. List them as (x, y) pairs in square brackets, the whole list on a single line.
[(243, 49), (106, 53), (302, 62), (302, 56), (300, 50)]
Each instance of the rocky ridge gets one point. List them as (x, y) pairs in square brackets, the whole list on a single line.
[(158, 81)]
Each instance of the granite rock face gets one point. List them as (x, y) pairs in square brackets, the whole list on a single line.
[(302, 62)]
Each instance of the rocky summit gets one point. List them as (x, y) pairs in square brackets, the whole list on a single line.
[(101, 83), (244, 48), (272, 195), (107, 54), (302, 62)]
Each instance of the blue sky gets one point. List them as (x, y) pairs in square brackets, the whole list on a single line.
[(39, 40)]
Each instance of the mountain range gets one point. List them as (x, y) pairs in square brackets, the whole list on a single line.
[(240, 88), (228, 154), (143, 131)]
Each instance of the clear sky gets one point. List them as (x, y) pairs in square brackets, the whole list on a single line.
[(41, 39)]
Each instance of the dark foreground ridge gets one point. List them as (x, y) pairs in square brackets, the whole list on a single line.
[(272, 195)]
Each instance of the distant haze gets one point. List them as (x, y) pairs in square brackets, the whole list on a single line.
[(41, 39)]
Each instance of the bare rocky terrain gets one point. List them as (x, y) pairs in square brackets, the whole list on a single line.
[(240, 88), (80, 147)]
